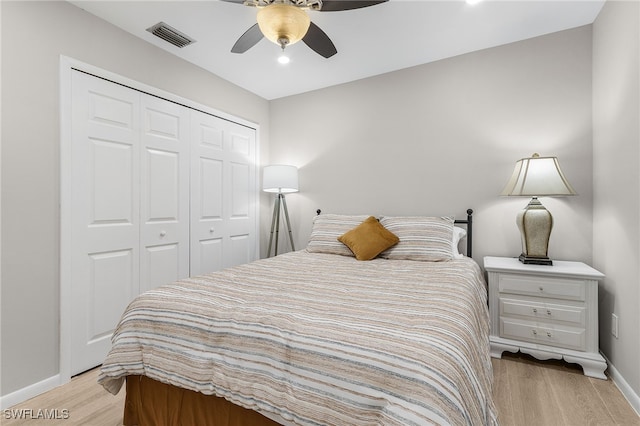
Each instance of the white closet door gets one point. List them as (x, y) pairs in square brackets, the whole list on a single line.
[(240, 195), (223, 194), (164, 206), (105, 209), (153, 185)]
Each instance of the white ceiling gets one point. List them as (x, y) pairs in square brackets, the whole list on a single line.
[(370, 41)]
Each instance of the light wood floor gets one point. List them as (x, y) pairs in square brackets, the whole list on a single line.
[(526, 392), (531, 392)]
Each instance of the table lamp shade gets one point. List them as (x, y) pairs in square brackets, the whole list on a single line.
[(282, 179), (538, 176)]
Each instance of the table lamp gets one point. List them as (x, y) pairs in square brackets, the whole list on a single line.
[(535, 177)]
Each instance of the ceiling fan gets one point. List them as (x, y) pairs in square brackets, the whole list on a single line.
[(286, 22)]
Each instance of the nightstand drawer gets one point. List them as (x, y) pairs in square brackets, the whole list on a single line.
[(542, 286), (574, 315), (562, 337)]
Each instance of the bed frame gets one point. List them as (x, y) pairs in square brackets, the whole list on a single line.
[(469, 222), (149, 402)]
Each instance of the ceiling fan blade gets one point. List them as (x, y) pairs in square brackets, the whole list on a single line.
[(337, 5), (247, 40), (319, 41)]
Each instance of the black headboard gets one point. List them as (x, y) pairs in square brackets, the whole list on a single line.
[(468, 221)]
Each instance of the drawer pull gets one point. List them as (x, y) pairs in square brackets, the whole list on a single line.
[(541, 288), (535, 310), (548, 311), (535, 333)]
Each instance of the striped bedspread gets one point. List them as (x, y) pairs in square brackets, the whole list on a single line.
[(320, 339)]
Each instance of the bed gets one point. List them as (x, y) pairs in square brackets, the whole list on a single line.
[(317, 336)]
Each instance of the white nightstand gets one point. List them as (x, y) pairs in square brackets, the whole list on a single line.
[(549, 312)]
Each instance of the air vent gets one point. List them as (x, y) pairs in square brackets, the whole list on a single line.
[(170, 35)]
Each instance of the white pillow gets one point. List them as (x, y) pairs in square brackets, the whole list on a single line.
[(458, 234)]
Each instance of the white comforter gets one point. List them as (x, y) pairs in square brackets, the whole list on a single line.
[(319, 339)]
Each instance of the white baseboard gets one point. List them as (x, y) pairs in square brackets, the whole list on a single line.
[(29, 392), (621, 383)]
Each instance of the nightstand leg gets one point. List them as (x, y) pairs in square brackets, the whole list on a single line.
[(591, 367), (497, 349)]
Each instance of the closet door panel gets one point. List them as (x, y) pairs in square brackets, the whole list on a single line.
[(207, 193), (104, 210), (240, 248), (211, 192), (240, 145), (161, 263), (239, 191), (209, 255), (112, 200), (110, 283), (239, 230), (222, 187), (164, 204), (163, 186)]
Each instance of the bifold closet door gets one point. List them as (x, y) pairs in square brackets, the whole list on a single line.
[(164, 194), (105, 210), (223, 194), (130, 206)]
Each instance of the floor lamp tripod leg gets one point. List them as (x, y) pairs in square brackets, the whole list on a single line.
[(286, 216), (276, 208), (278, 222)]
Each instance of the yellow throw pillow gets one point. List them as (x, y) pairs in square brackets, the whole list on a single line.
[(368, 239)]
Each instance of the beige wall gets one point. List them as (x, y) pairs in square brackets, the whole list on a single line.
[(34, 35), (441, 137), (616, 148)]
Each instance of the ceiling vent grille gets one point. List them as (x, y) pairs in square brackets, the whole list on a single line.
[(170, 35)]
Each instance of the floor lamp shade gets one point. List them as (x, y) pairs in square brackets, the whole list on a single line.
[(533, 177), (282, 179)]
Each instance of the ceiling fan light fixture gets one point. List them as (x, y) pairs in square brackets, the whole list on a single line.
[(283, 59), (283, 24)]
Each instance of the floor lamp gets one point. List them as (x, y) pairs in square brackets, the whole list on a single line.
[(279, 179)]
